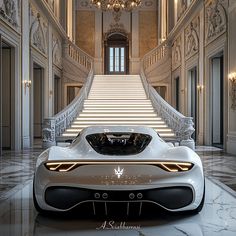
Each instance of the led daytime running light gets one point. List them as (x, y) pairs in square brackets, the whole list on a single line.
[(167, 166)]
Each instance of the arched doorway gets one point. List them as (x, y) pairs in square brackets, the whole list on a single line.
[(116, 54)]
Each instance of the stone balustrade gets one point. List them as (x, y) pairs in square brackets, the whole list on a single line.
[(55, 126), (181, 125), (156, 56), (78, 56)]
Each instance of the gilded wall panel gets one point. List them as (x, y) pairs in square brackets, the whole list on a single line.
[(85, 31), (147, 31)]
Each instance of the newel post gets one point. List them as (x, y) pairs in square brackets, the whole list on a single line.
[(186, 132), (49, 132)]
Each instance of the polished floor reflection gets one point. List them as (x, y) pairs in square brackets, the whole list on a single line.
[(18, 216), (218, 217)]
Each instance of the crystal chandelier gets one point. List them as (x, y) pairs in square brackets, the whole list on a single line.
[(116, 5)]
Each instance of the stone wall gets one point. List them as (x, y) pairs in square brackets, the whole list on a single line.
[(134, 25)]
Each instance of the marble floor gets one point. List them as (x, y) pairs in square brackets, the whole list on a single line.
[(217, 218), (18, 216)]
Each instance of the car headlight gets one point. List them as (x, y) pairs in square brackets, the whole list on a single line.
[(175, 166)]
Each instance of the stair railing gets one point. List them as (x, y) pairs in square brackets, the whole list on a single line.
[(56, 125), (180, 124), (78, 56), (155, 56)]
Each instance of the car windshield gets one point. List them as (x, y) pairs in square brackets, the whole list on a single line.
[(118, 143)]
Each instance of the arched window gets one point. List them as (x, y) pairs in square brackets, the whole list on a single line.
[(116, 54)]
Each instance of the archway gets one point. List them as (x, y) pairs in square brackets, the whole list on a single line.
[(116, 56)]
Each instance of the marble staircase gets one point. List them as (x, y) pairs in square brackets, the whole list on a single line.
[(117, 100)]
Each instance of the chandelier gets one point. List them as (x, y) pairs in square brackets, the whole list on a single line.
[(116, 5)]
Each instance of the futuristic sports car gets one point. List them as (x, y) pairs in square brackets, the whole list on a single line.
[(118, 164)]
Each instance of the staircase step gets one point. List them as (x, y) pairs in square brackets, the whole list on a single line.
[(114, 111), (121, 101), (117, 106), (115, 122), (160, 126), (110, 115), (113, 97), (121, 91), (118, 109), (79, 129), (117, 100), (73, 135)]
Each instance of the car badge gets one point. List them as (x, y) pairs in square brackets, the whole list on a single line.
[(119, 172)]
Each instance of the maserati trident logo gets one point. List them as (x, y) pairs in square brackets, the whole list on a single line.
[(119, 172)]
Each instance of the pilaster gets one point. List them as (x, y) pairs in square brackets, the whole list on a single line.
[(25, 54)]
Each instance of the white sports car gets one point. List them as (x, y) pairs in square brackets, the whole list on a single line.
[(119, 165)]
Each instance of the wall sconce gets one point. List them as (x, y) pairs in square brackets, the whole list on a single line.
[(27, 84), (232, 78), (200, 88), (163, 40)]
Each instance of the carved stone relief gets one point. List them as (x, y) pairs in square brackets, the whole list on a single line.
[(215, 17), (192, 38), (116, 16), (57, 52), (38, 30), (182, 6), (116, 28), (176, 53), (148, 3), (10, 10)]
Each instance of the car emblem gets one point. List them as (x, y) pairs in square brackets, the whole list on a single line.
[(119, 172)]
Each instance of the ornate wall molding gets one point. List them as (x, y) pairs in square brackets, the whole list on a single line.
[(176, 53), (38, 30), (116, 16), (57, 51), (215, 19), (10, 11), (192, 38), (116, 28)]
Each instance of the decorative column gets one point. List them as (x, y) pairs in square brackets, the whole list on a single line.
[(70, 16), (98, 66), (49, 89), (25, 69), (231, 132), (135, 60), (164, 20)]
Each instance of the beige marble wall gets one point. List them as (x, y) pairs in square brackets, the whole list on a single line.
[(85, 31), (147, 31)]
